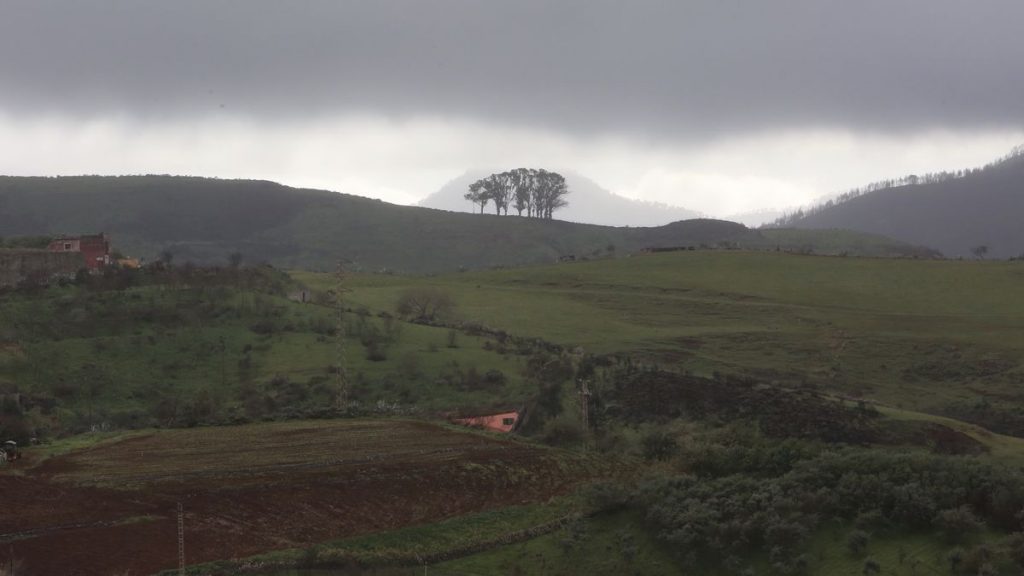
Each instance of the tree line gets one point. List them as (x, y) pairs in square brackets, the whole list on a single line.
[(537, 192), (910, 180)]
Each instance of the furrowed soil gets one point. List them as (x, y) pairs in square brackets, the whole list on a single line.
[(111, 508)]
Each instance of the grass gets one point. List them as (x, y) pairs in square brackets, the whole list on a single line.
[(151, 355), (619, 544), (917, 334), (611, 544), (409, 546)]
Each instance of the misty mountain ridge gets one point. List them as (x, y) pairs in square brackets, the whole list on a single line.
[(589, 203), (204, 220), (954, 212)]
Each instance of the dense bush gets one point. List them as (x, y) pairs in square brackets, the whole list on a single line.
[(716, 517)]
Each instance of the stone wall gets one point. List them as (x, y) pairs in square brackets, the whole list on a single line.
[(38, 265)]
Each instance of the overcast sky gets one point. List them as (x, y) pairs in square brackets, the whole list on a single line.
[(721, 106)]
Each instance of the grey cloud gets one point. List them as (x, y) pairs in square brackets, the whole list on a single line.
[(667, 68)]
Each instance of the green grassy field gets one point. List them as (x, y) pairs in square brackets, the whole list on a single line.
[(161, 355), (913, 334)]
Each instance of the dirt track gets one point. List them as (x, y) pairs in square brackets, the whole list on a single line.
[(246, 490)]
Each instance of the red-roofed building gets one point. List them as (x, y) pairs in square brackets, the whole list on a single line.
[(95, 249)]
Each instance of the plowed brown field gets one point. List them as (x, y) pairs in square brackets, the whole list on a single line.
[(111, 509)]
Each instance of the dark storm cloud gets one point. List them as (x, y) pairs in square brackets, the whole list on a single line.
[(671, 68)]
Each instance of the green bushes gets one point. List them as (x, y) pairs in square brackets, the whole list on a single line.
[(717, 517), (565, 430)]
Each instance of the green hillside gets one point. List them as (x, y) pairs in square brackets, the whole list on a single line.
[(837, 412), (952, 212), (932, 335), (204, 220)]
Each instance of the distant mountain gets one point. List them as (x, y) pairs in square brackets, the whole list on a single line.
[(755, 218), (204, 220), (589, 203), (951, 212)]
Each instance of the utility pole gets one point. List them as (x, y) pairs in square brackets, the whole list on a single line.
[(585, 404), (341, 400), (181, 540)]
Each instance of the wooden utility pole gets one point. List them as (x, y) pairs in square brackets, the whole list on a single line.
[(181, 540), (341, 400)]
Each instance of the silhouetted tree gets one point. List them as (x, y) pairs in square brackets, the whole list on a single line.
[(476, 195), (538, 192)]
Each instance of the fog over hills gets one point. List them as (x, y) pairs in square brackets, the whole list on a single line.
[(755, 218), (954, 212), (588, 203)]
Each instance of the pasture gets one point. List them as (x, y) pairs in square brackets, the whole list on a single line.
[(914, 334)]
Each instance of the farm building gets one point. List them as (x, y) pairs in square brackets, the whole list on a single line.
[(95, 249), (503, 422)]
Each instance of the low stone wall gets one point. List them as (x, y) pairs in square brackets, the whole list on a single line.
[(37, 265)]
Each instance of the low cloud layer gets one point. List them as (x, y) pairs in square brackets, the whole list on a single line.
[(719, 106), (678, 69), (404, 161)]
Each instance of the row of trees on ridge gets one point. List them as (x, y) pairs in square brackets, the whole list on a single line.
[(537, 192), (910, 180)]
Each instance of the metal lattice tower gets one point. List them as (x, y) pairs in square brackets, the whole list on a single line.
[(585, 404), (181, 540), (341, 401)]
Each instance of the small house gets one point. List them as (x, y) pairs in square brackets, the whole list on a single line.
[(503, 422), (95, 249)]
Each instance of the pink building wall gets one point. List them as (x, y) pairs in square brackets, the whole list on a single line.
[(504, 422)]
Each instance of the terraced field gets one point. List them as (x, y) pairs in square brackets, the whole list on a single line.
[(110, 508)]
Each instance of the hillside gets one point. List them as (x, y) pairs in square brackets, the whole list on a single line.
[(589, 203), (952, 213), (205, 220), (761, 374)]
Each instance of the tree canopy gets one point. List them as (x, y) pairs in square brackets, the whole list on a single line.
[(538, 192)]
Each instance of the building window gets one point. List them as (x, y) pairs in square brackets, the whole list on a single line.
[(508, 421), (67, 245)]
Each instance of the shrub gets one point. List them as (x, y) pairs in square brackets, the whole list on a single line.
[(957, 523), (857, 542), (606, 495), (424, 303), (659, 445), (564, 430)]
